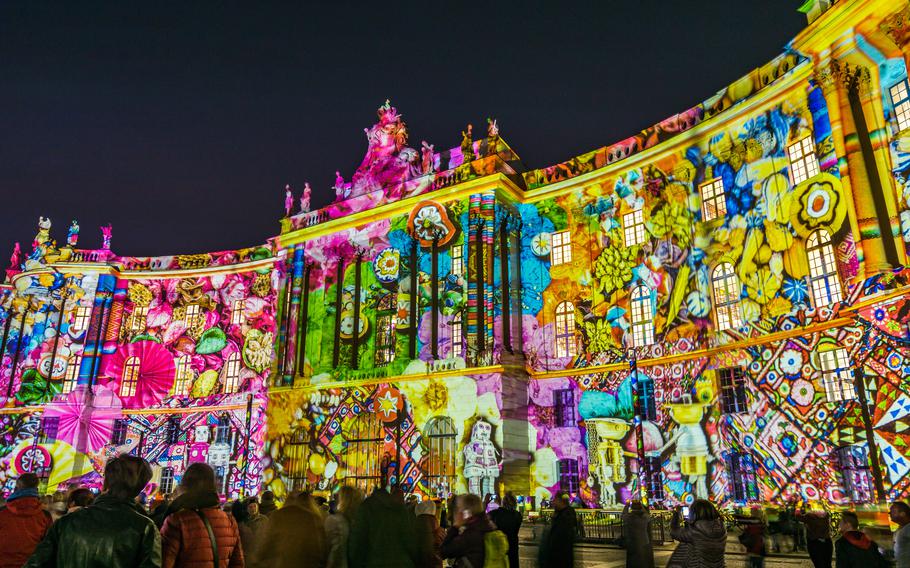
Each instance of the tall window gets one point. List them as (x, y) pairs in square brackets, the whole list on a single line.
[(823, 279), (183, 376), (167, 480), (565, 330), (172, 432), (568, 476), (854, 468), (138, 319), (441, 449), (385, 330), (837, 375), (192, 314), (83, 314), (363, 455), (646, 398), (71, 377), (457, 332), (232, 373), (900, 98), (129, 379), (457, 252), (633, 226), (654, 478), (118, 435), (564, 403), (642, 316), (50, 425), (713, 199), (561, 248), (732, 390), (803, 163), (298, 459), (237, 312), (726, 296), (741, 471), (223, 430)]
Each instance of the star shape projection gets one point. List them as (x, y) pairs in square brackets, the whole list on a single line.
[(388, 402)]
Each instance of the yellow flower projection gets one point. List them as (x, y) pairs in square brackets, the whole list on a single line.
[(818, 202)]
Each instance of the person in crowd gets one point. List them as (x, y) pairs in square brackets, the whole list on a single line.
[(383, 531), (111, 532), (818, 537), (237, 509), (900, 515), (429, 535), (464, 541), (557, 547), (295, 536), (196, 515), (411, 502), (267, 505), (338, 525), (322, 504), (508, 520), (257, 523), (702, 540), (636, 534), (854, 549), (23, 522), (752, 538), (79, 498)]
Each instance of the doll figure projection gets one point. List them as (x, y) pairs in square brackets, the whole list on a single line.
[(199, 449), (692, 452), (605, 455), (288, 201), (481, 460), (305, 198), (72, 235)]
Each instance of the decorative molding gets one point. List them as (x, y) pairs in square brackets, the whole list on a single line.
[(842, 74), (897, 27)]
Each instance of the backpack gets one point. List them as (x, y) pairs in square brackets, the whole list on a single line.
[(495, 550)]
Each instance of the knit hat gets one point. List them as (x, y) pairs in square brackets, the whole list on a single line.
[(425, 508)]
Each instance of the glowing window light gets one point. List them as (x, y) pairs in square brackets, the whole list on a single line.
[(364, 454), (183, 376), (81, 320), (138, 319), (634, 228), (192, 313), (232, 373), (726, 296), (237, 312), (72, 374), (713, 199), (441, 441), (732, 390), (457, 332), (561, 248), (565, 330), (823, 279), (642, 316), (129, 380), (568, 476), (837, 375), (385, 339), (900, 98), (803, 163), (167, 480), (457, 252)]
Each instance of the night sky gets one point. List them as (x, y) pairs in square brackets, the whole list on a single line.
[(180, 124)]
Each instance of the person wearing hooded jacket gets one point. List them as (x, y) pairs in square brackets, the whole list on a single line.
[(22, 522), (702, 541), (383, 532), (464, 541), (636, 532), (854, 549)]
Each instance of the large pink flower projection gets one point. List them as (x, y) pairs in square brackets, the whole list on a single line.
[(155, 376), (96, 420)]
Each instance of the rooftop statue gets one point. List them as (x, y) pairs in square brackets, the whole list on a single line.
[(106, 237), (72, 235), (467, 144), (288, 200), (305, 198)]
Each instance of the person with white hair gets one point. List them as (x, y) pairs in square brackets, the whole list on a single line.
[(429, 535)]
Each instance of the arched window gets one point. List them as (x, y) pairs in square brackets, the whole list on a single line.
[(384, 347), (237, 312), (129, 380), (823, 279), (642, 317), (298, 459), (440, 464), (363, 454), (457, 336), (138, 319), (232, 373), (183, 377), (192, 313), (726, 296), (565, 330)]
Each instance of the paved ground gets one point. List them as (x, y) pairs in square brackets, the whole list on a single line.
[(593, 556)]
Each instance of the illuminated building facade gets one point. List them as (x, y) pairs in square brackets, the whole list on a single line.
[(715, 307)]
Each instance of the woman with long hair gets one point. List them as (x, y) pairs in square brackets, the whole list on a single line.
[(338, 525), (702, 540)]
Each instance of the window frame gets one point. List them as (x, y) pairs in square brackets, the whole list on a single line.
[(647, 399), (901, 107), (192, 311), (129, 376), (654, 477), (183, 373), (50, 427), (231, 373), (119, 431), (457, 257), (837, 375), (825, 287), (569, 479), (742, 477), (457, 335), (139, 319), (298, 453), (365, 469), (564, 332), (727, 291), (442, 446), (223, 430), (633, 228), (71, 374), (803, 163), (237, 308), (713, 205), (560, 248), (856, 472), (564, 408), (733, 396), (81, 318), (166, 480), (640, 303)]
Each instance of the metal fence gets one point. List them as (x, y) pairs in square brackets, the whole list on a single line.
[(602, 526)]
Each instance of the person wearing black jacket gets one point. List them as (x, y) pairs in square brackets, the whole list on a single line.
[(464, 541), (854, 549), (508, 520), (558, 547)]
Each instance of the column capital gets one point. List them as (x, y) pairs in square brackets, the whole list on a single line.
[(835, 74)]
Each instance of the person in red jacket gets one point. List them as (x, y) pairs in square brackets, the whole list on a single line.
[(23, 523), (185, 541)]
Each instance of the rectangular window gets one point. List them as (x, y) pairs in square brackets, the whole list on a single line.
[(837, 375), (385, 339), (138, 319), (49, 427), (192, 313), (118, 436), (457, 332), (568, 476), (183, 376), (71, 377), (219, 478), (732, 390), (167, 480), (741, 471), (172, 433), (646, 399), (560, 248), (237, 312), (564, 402), (713, 199), (457, 252), (633, 226), (83, 314), (803, 163), (900, 98), (654, 478), (854, 468)]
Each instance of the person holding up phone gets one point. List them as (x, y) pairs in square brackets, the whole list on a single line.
[(702, 541)]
